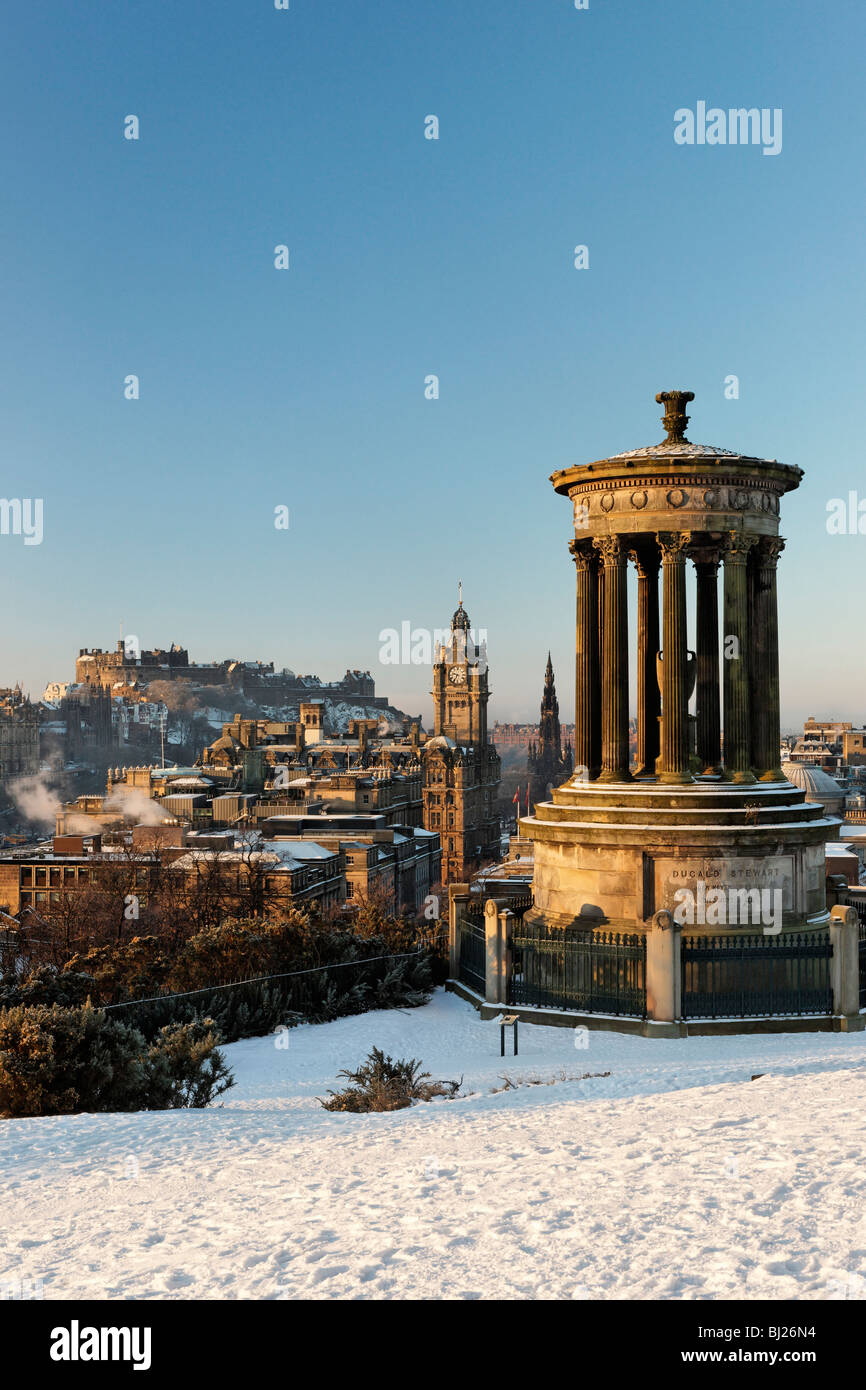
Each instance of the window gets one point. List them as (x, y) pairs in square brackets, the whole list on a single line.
[(27, 875)]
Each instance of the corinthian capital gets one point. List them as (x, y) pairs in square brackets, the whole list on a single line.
[(611, 549), (706, 559), (673, 545), (738, 547), (583, 554), (646, 560), (768, 550)]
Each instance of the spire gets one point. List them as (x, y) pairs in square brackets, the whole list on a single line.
[(461, 617)]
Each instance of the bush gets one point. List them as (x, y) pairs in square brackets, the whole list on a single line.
[(48, 985), (61, 1061), (233, 955), (383, 1084), (186, 1070)]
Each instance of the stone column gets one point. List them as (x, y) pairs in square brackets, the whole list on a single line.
[(648, 695), (844, 928), (614, 670), (709, 730), (663, 976), (737, 657), (587, 691), (764, 647), (600, 632), (458, 896), (674, 761), (496, 928)]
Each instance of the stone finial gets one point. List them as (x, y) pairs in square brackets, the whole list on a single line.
[(675, 418)]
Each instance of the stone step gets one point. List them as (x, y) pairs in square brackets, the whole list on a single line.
[(697, 796), (745, 812), (668, 817)]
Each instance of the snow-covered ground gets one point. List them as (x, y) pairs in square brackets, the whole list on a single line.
[(676, 1176)]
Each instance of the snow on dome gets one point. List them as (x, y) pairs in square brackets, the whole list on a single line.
[(685, 450), (815, 783)]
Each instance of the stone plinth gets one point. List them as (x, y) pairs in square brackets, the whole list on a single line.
[(614, 855)]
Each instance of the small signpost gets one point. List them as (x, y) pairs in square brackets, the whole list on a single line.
[(504, 1021)]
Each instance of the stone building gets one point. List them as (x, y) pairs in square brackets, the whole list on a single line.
[(19, 736), (461, 765), (126, 665), (507, 736), (40, 877)]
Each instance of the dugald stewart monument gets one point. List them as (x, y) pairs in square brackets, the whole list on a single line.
[(686, 892)]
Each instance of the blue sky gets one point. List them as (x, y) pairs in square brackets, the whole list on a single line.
[(410, 257)]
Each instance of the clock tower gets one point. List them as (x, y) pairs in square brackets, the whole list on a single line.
[(460, 692), (461, 766)]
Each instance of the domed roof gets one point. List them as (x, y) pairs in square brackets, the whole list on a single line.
[(678, 453), (461, 619), (439, 741), (815, 783)]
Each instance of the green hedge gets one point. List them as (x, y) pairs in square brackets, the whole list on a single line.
[(60, 1061)]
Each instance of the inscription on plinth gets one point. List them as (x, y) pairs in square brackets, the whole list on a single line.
[(700, 876)]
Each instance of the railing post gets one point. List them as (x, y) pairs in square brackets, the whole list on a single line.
[(458, 894), (663, 976), (497, 963), (845, 969)]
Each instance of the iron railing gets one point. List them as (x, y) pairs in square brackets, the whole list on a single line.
[(472, 947), (756, 976), (856, 898), (578, 969)]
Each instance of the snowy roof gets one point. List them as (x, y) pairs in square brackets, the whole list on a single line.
[(304, 849), (812, 780), (684, 450)]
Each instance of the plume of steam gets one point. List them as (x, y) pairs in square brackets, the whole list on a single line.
[(389, 726), (79, 824), (35, 799), (135, 805)]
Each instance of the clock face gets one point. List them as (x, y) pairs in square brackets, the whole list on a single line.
[(457, 675)]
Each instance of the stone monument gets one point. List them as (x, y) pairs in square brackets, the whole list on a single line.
[(615, 843)]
